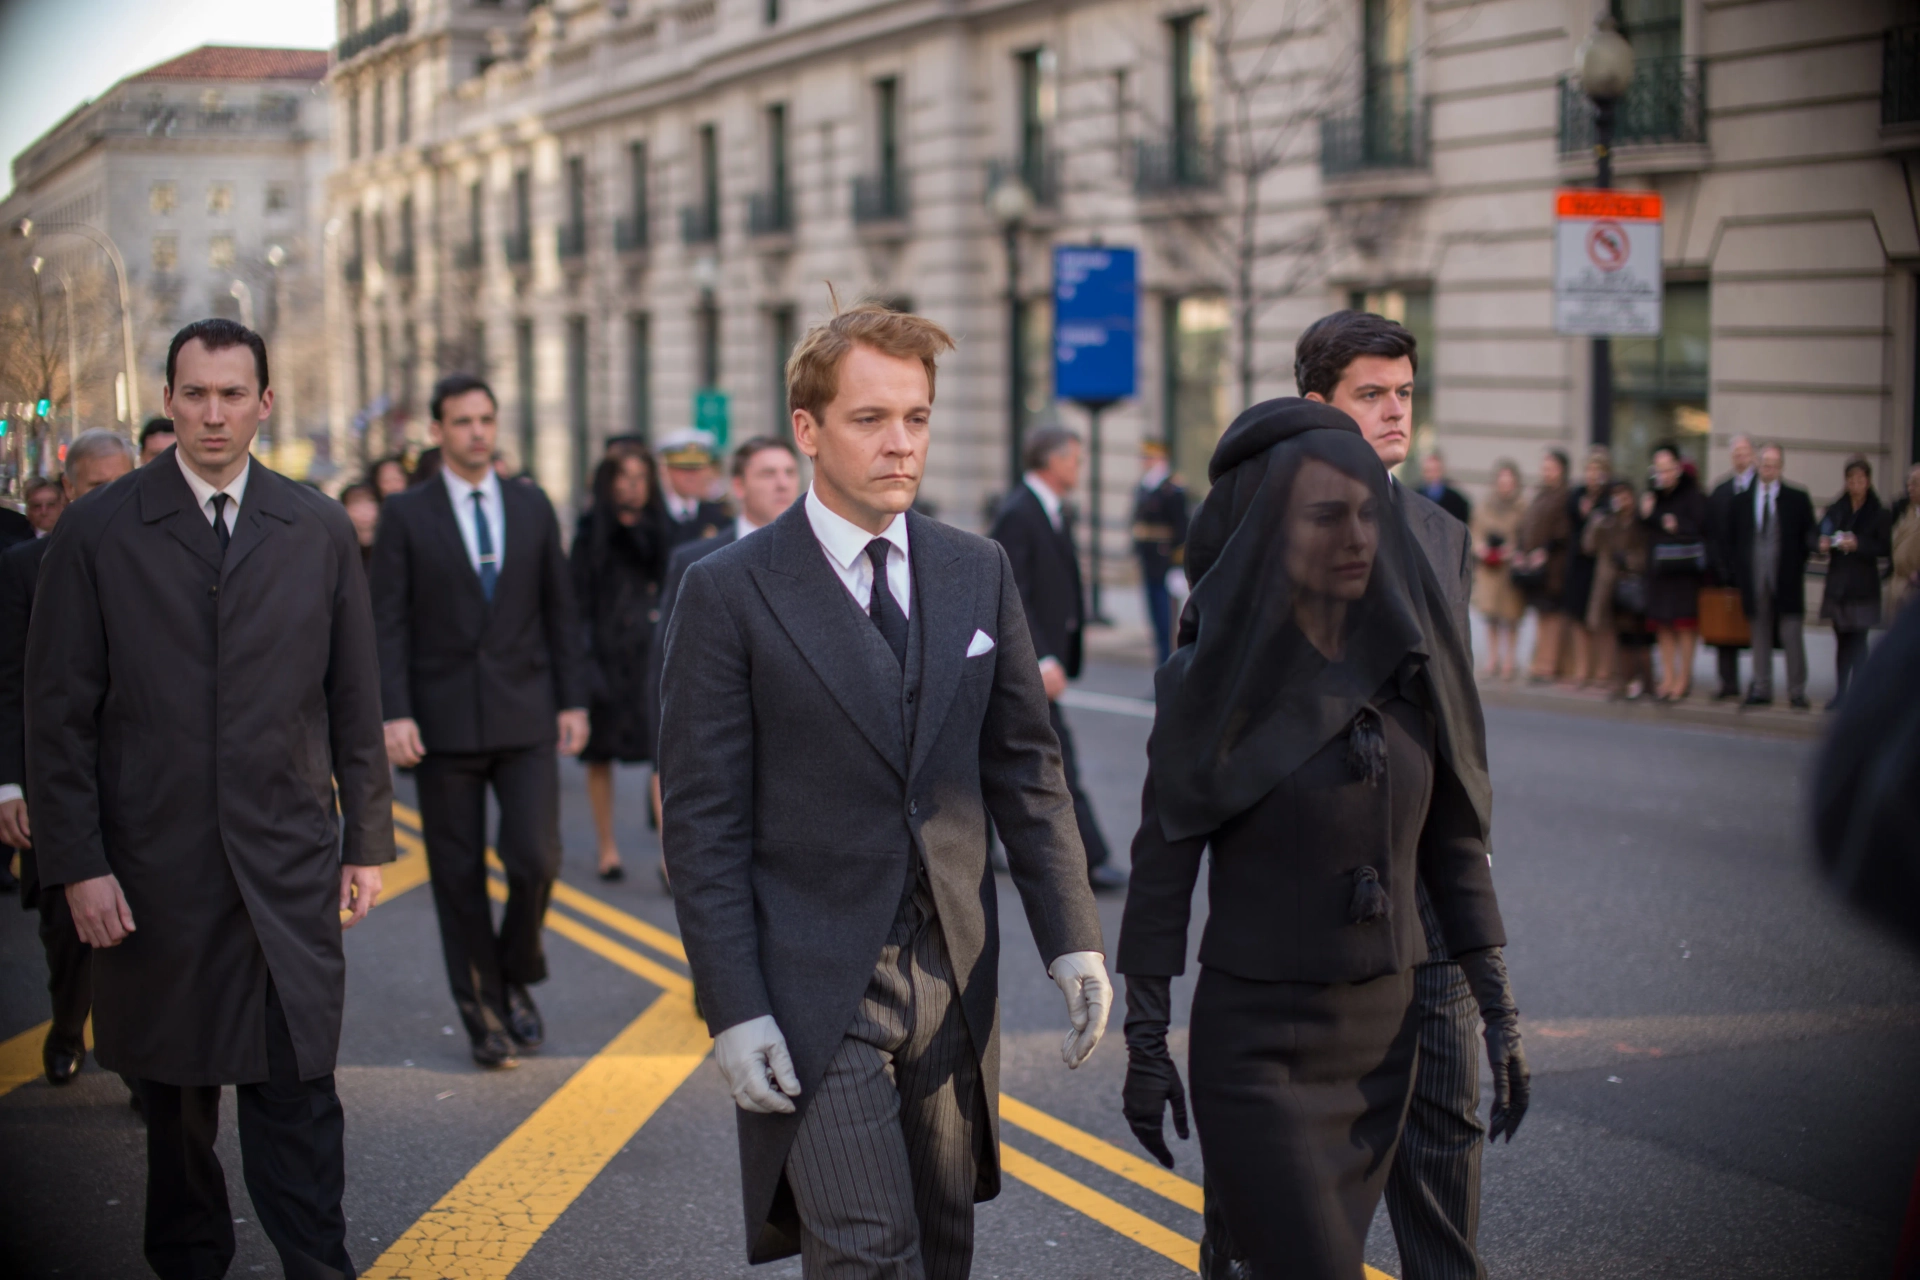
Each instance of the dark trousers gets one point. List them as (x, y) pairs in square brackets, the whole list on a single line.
[(1850, 651), (1159, 609), (69, 970), (884, 1164), (1082, 811), (293, 1147), (481, 963), (1433, 1193), (1729, 660)]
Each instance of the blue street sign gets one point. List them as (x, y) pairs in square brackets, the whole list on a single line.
[(1095, 319)]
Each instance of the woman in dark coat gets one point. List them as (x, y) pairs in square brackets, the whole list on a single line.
[(1676, 514), (1592, 652), (1546, 535), (619, 556), (1855, 532), (1306, 733)]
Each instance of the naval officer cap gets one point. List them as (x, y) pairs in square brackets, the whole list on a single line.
[(688, 448)]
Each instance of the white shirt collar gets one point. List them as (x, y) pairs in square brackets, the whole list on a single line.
[(463, 492), (1743, 480), (203, 492), (845, 541), (1049, 500), (1156, 476), (681, 509), (742, 527)]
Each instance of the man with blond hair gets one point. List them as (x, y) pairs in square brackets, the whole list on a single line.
[(849, 693)]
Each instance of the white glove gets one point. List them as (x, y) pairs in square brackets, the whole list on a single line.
[(1082, 977), (753, 1057)]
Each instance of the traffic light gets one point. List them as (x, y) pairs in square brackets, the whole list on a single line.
[(44, 408)]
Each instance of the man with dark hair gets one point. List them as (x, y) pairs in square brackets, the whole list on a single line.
[(94, 458), (46, 499), (483, 679), (1036, 529), (1364, 364), (205, 777), (1159, 531), (155, 439)]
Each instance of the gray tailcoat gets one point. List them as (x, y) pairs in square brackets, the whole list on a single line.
[(188, 717), (793, 795)]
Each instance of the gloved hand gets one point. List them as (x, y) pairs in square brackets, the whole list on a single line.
[(753, 1056), (1082, 978), (1152, 1079), (1486, 972)]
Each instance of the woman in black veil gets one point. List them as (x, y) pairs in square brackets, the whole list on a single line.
[(1316, 729)]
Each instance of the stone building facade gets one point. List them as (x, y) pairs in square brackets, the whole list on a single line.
[(205, 171), (610, 207)]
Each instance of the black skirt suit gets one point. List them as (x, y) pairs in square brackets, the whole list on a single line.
[(1303, 1034)]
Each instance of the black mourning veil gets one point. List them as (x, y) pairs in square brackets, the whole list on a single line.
[(1248, 699)]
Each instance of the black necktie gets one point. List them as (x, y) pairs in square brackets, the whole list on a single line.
[(220, 529), (882, 607), (1766, 510), (483, 539)]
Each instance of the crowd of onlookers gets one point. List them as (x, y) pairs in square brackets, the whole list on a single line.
[(1626, 582)]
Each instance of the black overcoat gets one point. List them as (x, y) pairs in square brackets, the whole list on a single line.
[(1794, 510), (188, 717), (1046, 566), (616, 588)]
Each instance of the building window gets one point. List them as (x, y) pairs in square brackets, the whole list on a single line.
[(709, 143), (707, 336), (279, 197), (166, 254), (1660, 384), (220, 254), (162, 197), (886, 106), (379, 115), (1036, 67), (579, 428), (360, 381), (573, 236), (782, 325), (475, 357), (640, 375), (1195, 372), (474, 215), (631, 233), (770, 11), (353, 124), (403, 109), (220, 198), (772, 210), (519, 244), (523, 389)]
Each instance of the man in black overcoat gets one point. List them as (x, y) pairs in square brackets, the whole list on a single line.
[(1036, 529), (1159, 530), (1721, 503), (1771, 534), (1436, 488), (849, 693), (483, 681), (94, 458), (202, 691)]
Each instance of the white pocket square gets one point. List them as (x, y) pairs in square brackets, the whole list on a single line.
[(981, 643)]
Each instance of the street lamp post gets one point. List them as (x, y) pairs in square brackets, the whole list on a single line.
[(1010, 203), (25, 230), (1605, 62), (244, 296), (73, 352)]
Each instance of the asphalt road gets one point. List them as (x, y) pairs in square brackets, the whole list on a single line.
[(1724, 1060)]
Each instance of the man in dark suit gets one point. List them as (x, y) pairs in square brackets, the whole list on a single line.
[(1036, 529), (205, 774), (1159, 535), (45, 499), (687, 461), (1435, 488), (849, 693), (155, 439), (1721, 505), (482, 678), (1772, 533), (1364, 365), (94, 458)]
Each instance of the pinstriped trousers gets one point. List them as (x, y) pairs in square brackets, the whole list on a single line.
[(1433, 1193), (884, 1164)]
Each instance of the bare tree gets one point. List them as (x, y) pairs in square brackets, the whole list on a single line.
[(33, 343)]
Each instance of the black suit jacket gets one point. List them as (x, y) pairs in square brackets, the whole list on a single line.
[(707, 521), (677, 564), (1794, 510), (1046, 568), (14, 528), (1720, 504), (19, 567), (476, 676)]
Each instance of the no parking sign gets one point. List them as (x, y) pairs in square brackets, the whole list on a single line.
[(1607, 279)]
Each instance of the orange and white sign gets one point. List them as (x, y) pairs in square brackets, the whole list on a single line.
[(1607, 278)]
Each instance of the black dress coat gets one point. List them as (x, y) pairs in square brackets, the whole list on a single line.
[(1794, 510), (477, 676), (616, 587), (1046, 564), (1852, 599), (190, 720), (678, 562), (19, 567), (1159, 527), (1720, 505), (14, 528), (1672, 595)]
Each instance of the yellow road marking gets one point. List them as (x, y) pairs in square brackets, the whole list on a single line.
[(408, 815), (607, 949), (1137, 1227), (20, 1058), (1145, 1173), (634, 927), (484, 1226)]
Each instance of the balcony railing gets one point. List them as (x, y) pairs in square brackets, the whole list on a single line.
[(393, 24), (769, 213), (401, 262), (518, 246), (1177, 164), (573, 239), (1900, 76), (466, 257), (1040, 172), (880, 197), (1664, 106), (700, 224), (1381, 135), (630, 233)]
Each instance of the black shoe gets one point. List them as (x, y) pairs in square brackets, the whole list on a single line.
[(495, 1052), (614, 874), (1800, 704), (62, 1063), (1756, 700), (1106, 879), (1726, 694), (523, 1020)]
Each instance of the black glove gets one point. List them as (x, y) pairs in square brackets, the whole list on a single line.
[(1486, 972), (1152, 1079)]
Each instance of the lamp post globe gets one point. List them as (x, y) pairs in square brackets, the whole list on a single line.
[(1010, 202), (1604, 63)]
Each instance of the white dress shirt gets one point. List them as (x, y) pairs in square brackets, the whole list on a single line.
[(489, 491), (681, 509), (204, 493), (846, 546), (1743, 480), (1049, 500), (742, 527)]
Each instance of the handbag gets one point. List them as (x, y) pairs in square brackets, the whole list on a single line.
[(1630, 594), (1528, 578), (1680, 557), (1722, 621)]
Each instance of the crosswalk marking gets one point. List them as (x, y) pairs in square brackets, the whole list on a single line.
[(1105, 1210)]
